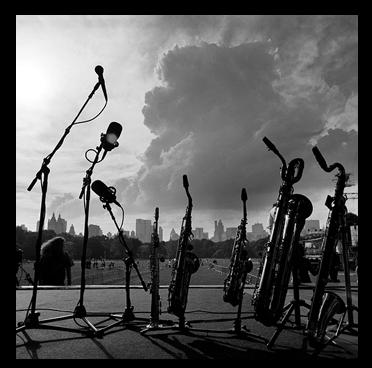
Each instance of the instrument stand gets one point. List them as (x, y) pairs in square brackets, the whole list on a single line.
[(350, 325), (128, 315), (294, 305), (238, 329), (32, 316)]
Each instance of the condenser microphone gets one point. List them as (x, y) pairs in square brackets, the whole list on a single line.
[(99, 70), (109, 140), (105, 193)]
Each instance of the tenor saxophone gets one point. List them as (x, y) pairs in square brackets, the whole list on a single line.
[(240, 264), (267, 273), (155, 275), (185, 265), (325, 304)]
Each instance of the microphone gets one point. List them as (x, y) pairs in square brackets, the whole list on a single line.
[(109, 140), (105, 193), (99, 70)]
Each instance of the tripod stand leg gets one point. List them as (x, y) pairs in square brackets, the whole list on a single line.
[(280, 326)]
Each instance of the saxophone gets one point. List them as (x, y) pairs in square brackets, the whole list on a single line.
[(325, 304), (185, 265), (240, 264), (268, 270), (154, 269), (299, 209)]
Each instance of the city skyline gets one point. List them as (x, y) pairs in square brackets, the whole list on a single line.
[(195, 95), (311, 226)]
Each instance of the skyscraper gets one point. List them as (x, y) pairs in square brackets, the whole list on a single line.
[(58, 226), (219, 232), (72, 230), (160, 233), (173, 235), (143, 230), (231, 232)]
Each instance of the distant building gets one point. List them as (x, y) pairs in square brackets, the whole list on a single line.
[(219, 232), (143, 230), (198, 233), (160, 233), (133, 234), (205, 235), (258, 231), (126, 233), (23, 227), (311, 227), (94, 230), (231, 232), (173, 235), (58, 226), (72, 230)]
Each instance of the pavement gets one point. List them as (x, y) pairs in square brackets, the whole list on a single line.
[(209, 337)]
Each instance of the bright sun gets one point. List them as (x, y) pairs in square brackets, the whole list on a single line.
[(32, 85)]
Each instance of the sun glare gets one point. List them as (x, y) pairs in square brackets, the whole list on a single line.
[(32, 84)]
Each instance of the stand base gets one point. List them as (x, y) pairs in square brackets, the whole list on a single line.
[(289, 309), (32, 321)]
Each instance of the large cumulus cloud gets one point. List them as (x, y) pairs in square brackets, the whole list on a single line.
[(212, 109)]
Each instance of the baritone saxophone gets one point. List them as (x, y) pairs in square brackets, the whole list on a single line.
[(325, 304)]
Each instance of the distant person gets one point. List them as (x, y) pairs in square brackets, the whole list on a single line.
[(271, 218), (19, 258), (303, 264), (55, 263), (335, 263)]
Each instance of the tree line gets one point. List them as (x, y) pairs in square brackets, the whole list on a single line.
[(112, 248)]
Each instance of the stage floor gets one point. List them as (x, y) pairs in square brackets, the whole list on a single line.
[(126, 342)]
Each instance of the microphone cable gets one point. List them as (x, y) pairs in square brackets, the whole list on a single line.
[(94, 117)]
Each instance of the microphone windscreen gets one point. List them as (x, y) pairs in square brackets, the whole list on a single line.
[(114, 128), (103, 191), (98, 69), (244, 195)]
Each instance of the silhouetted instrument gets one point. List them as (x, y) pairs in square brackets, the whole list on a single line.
[(185, 265), (275, 265), (325, 304), (240, 264), (154, 269)]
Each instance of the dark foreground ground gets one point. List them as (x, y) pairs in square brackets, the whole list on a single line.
[(126, 342)]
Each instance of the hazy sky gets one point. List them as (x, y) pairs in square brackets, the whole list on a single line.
[(195, 95)]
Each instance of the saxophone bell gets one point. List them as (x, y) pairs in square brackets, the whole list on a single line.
[(331, 304)]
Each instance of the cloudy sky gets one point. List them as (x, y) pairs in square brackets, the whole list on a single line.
[(195, 95)]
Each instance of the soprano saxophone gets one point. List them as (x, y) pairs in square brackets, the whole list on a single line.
[(325, 304), (154, 270), (268, 270), (185, 265), (240, 264)]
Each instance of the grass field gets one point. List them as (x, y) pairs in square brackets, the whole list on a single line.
[(207, 274)]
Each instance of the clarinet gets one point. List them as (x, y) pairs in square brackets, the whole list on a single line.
[(154, 269), (186, 264), (324, 303)]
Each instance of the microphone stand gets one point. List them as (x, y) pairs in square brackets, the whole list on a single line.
[(128, 315), (32, 316)]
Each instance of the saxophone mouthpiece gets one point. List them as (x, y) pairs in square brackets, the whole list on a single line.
[(185, 182), (156, 213), (244, 195)]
